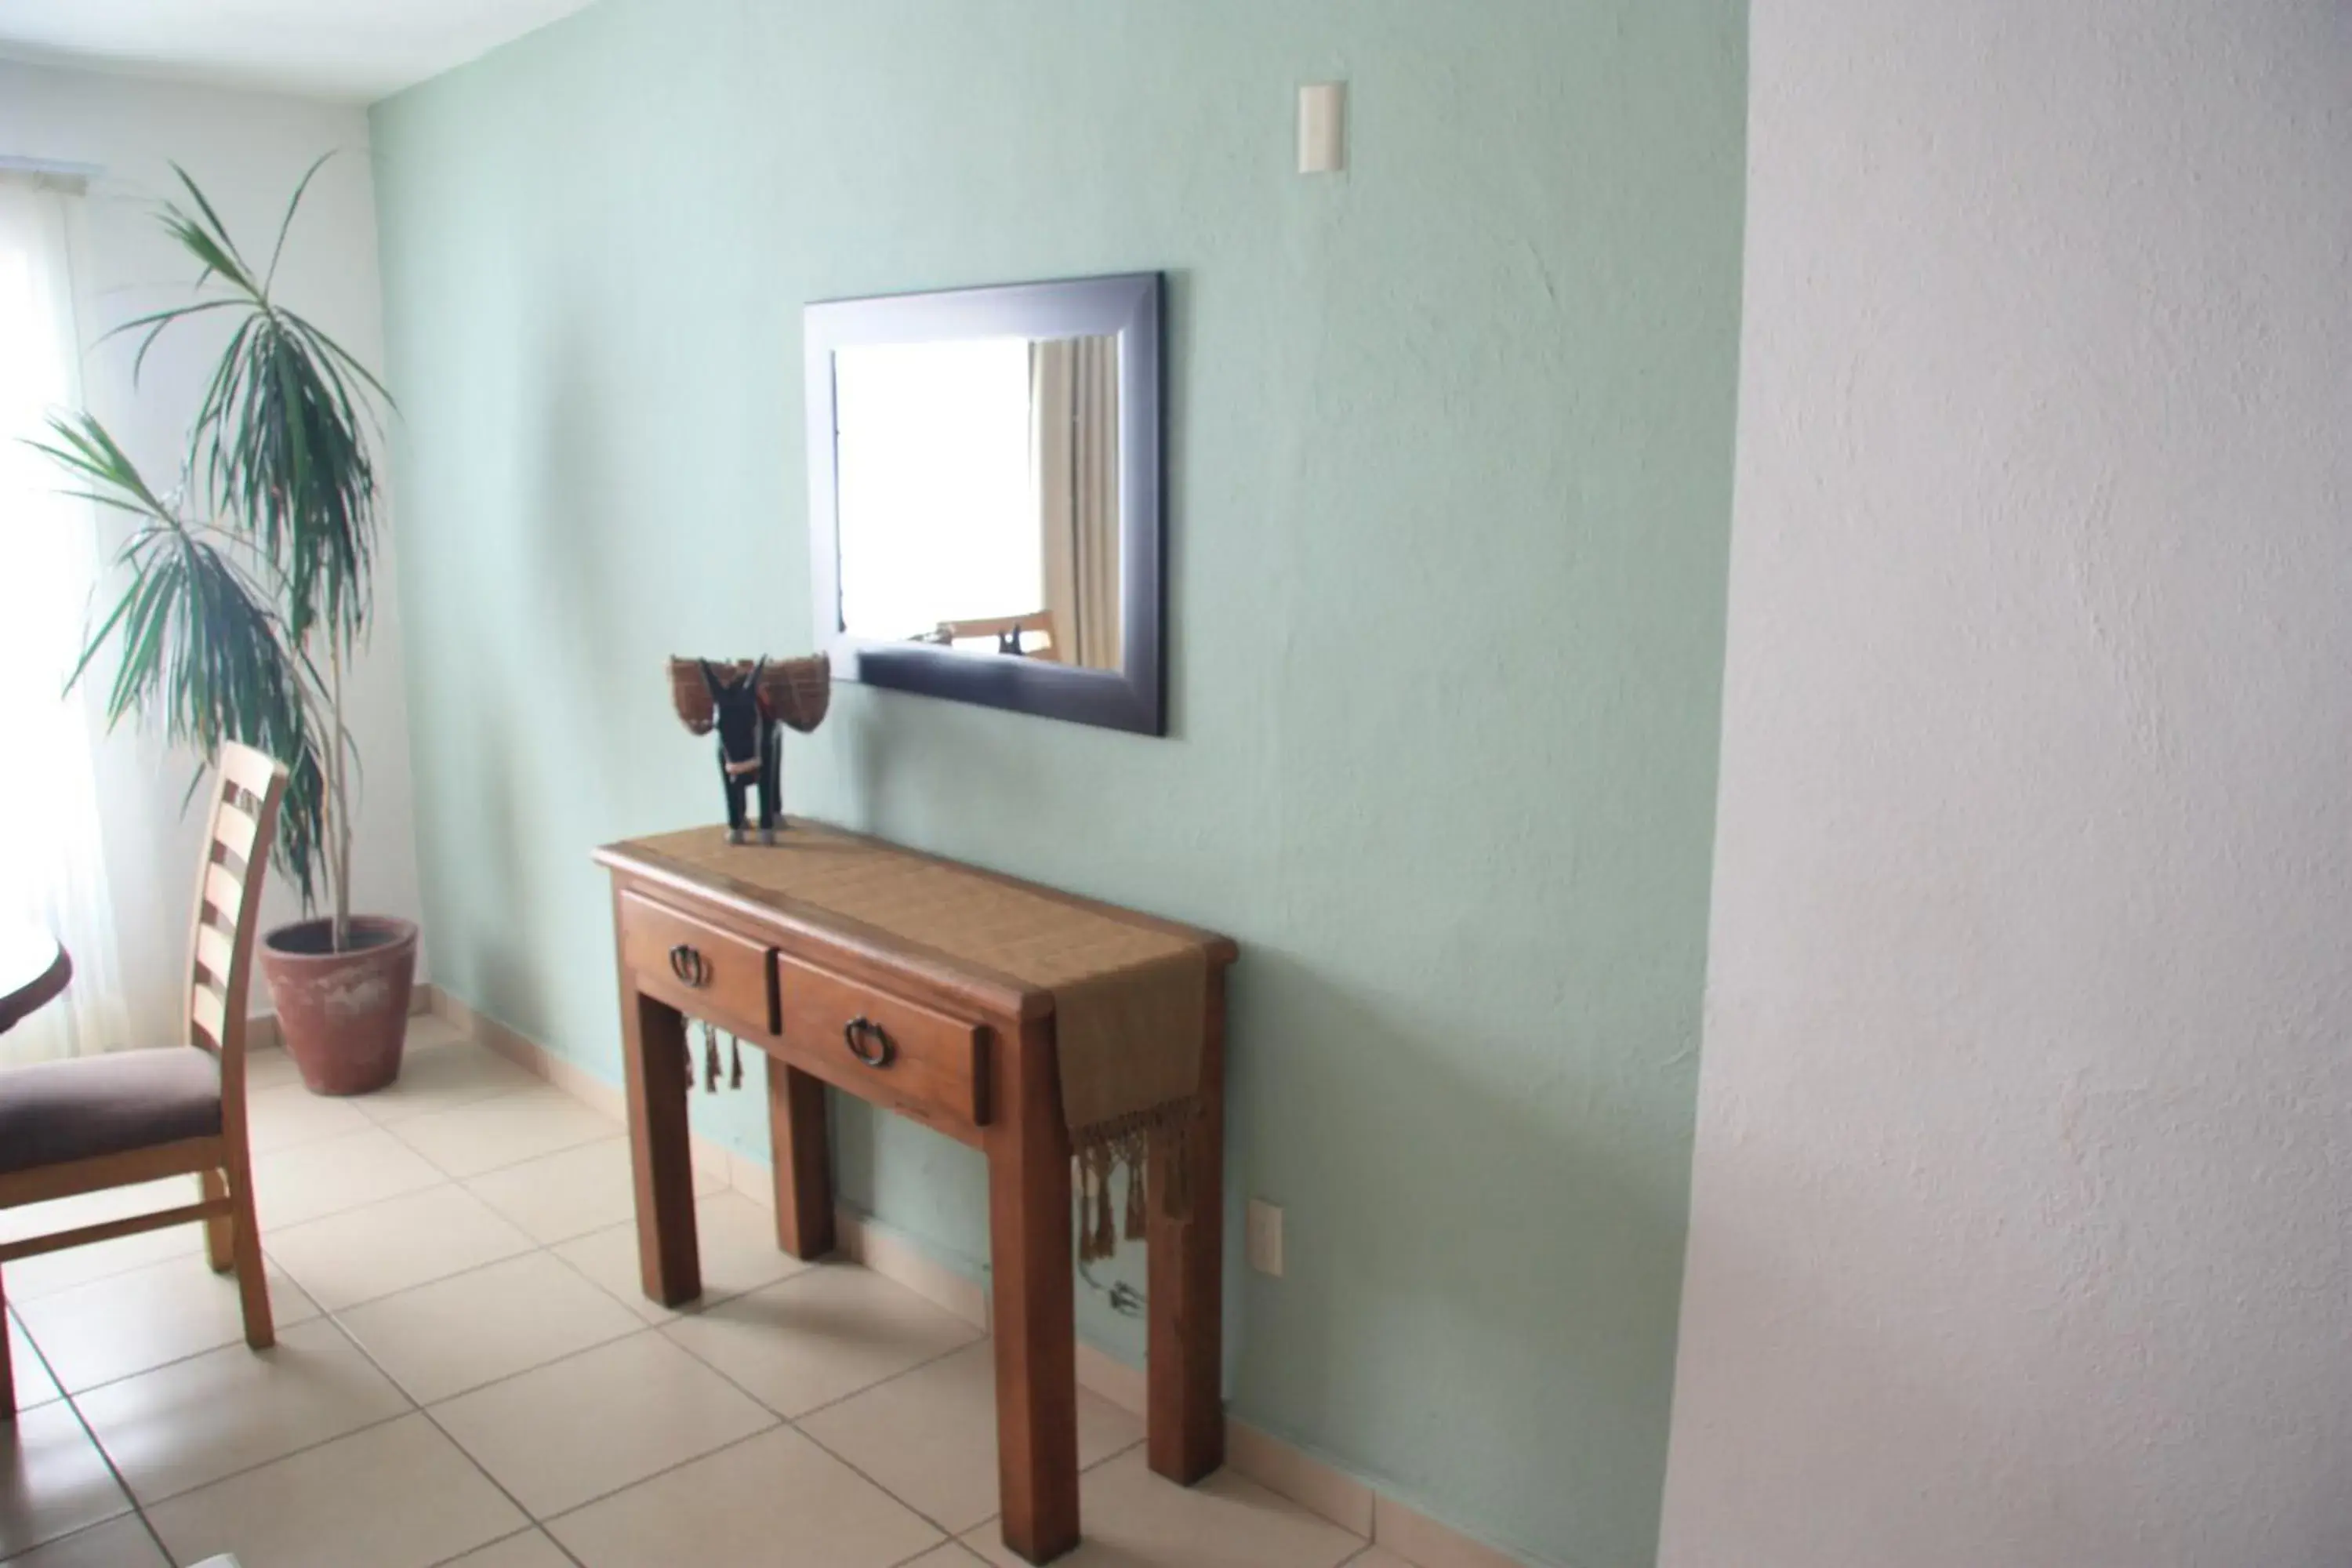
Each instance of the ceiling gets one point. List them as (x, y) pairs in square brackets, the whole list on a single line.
[(354, 49)]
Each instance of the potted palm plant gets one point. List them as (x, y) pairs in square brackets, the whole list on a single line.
[(244, 596)]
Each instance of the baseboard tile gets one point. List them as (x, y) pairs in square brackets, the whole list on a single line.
[(895, 1258), (1105, 1375), (1294, 1473), (1314, 1484), (1427, 1543)]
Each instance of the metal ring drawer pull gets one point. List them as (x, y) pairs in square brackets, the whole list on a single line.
[(690, 967), (860, 1029)]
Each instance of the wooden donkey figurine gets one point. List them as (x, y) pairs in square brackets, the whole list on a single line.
[(745, 701)]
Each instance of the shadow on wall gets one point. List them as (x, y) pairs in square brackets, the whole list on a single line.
[(535, 715)]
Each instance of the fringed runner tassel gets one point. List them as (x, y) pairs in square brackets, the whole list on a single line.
[(1138, 1158), (1097, 1230), (1106, 1222)]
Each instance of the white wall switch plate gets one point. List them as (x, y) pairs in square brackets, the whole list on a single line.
[(1262, 1237)]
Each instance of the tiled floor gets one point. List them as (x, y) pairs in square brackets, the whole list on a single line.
[(467, 1374)]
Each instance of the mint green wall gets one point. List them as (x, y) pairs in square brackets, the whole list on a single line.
[(1451, 492)]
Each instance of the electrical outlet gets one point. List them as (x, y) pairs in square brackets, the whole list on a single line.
[(1262, 1237)]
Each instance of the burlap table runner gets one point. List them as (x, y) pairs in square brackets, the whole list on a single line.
[(1130, 1000)]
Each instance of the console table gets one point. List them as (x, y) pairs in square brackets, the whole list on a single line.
[(837, 992)]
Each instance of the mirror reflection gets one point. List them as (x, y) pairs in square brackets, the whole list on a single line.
[(978, 496)]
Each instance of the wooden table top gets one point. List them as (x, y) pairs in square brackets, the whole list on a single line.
[(33, 967)]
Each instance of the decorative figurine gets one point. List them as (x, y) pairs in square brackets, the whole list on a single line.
[(744, 701)]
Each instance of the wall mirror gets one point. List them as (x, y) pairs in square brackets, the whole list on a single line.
[(984, 495)]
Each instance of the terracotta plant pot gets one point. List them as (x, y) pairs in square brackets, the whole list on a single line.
[(342, 1015)]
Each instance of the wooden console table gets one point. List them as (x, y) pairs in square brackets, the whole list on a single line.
[(963, 1047)]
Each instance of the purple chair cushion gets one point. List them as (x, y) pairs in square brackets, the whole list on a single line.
[(52, 1112)]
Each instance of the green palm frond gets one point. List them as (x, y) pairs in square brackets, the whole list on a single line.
[(199, 643), (235, 593)]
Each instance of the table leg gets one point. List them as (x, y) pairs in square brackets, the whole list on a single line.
[(796, 1145), (1184, 1346), (1036, 1345), (653, 1052)]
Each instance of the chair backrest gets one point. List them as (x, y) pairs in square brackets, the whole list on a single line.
[(244, 797)]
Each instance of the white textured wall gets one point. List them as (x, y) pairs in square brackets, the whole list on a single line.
[(2024, 1169), (246, 150)]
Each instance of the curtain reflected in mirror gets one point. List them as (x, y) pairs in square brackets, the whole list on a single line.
[(978, 485)]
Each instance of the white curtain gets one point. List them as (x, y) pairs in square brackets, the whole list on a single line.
[(1074, 398), (52, 860)]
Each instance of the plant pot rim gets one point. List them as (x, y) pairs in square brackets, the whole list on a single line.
[(401, 932)]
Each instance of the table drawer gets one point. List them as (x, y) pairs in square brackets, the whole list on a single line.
[(882, 1047), (698, 967)]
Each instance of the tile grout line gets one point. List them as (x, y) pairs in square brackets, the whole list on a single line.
[(320, 1311), (533, 1528), (778, 1421), (138, 1507), (393, 1130), (417, 1408), (334, 1320), (90, 1434), (335, 1315), (536, 1523)]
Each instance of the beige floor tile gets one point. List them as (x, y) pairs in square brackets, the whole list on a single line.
[(531, 1549), (34, 1383), (129, 1323), (778, 1501), (289, 1114), (53, 1479), (363, 1253), (561, 1196), (738, 1243), (396, 1496), (929, 1437), (269, 1069), (474, 1328), (953, 1554), (118, 1543), (194, 1422), (819, 1336), (599, 1421), (441, 1072), (491, 1134), (1373, 1557), (312, 1180), (1132, 1519), (53, 1271), (429, 1030)]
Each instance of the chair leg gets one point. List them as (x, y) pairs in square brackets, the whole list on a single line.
[(220, 1231), (7, 1371), (252, 1285)]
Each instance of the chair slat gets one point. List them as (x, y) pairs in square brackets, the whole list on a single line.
[(214, 952), (224, 890), (247, 769), (222, 933), (235, 828), (209, 1010)]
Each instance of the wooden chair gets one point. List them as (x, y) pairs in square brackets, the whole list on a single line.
[(93, 1122)]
